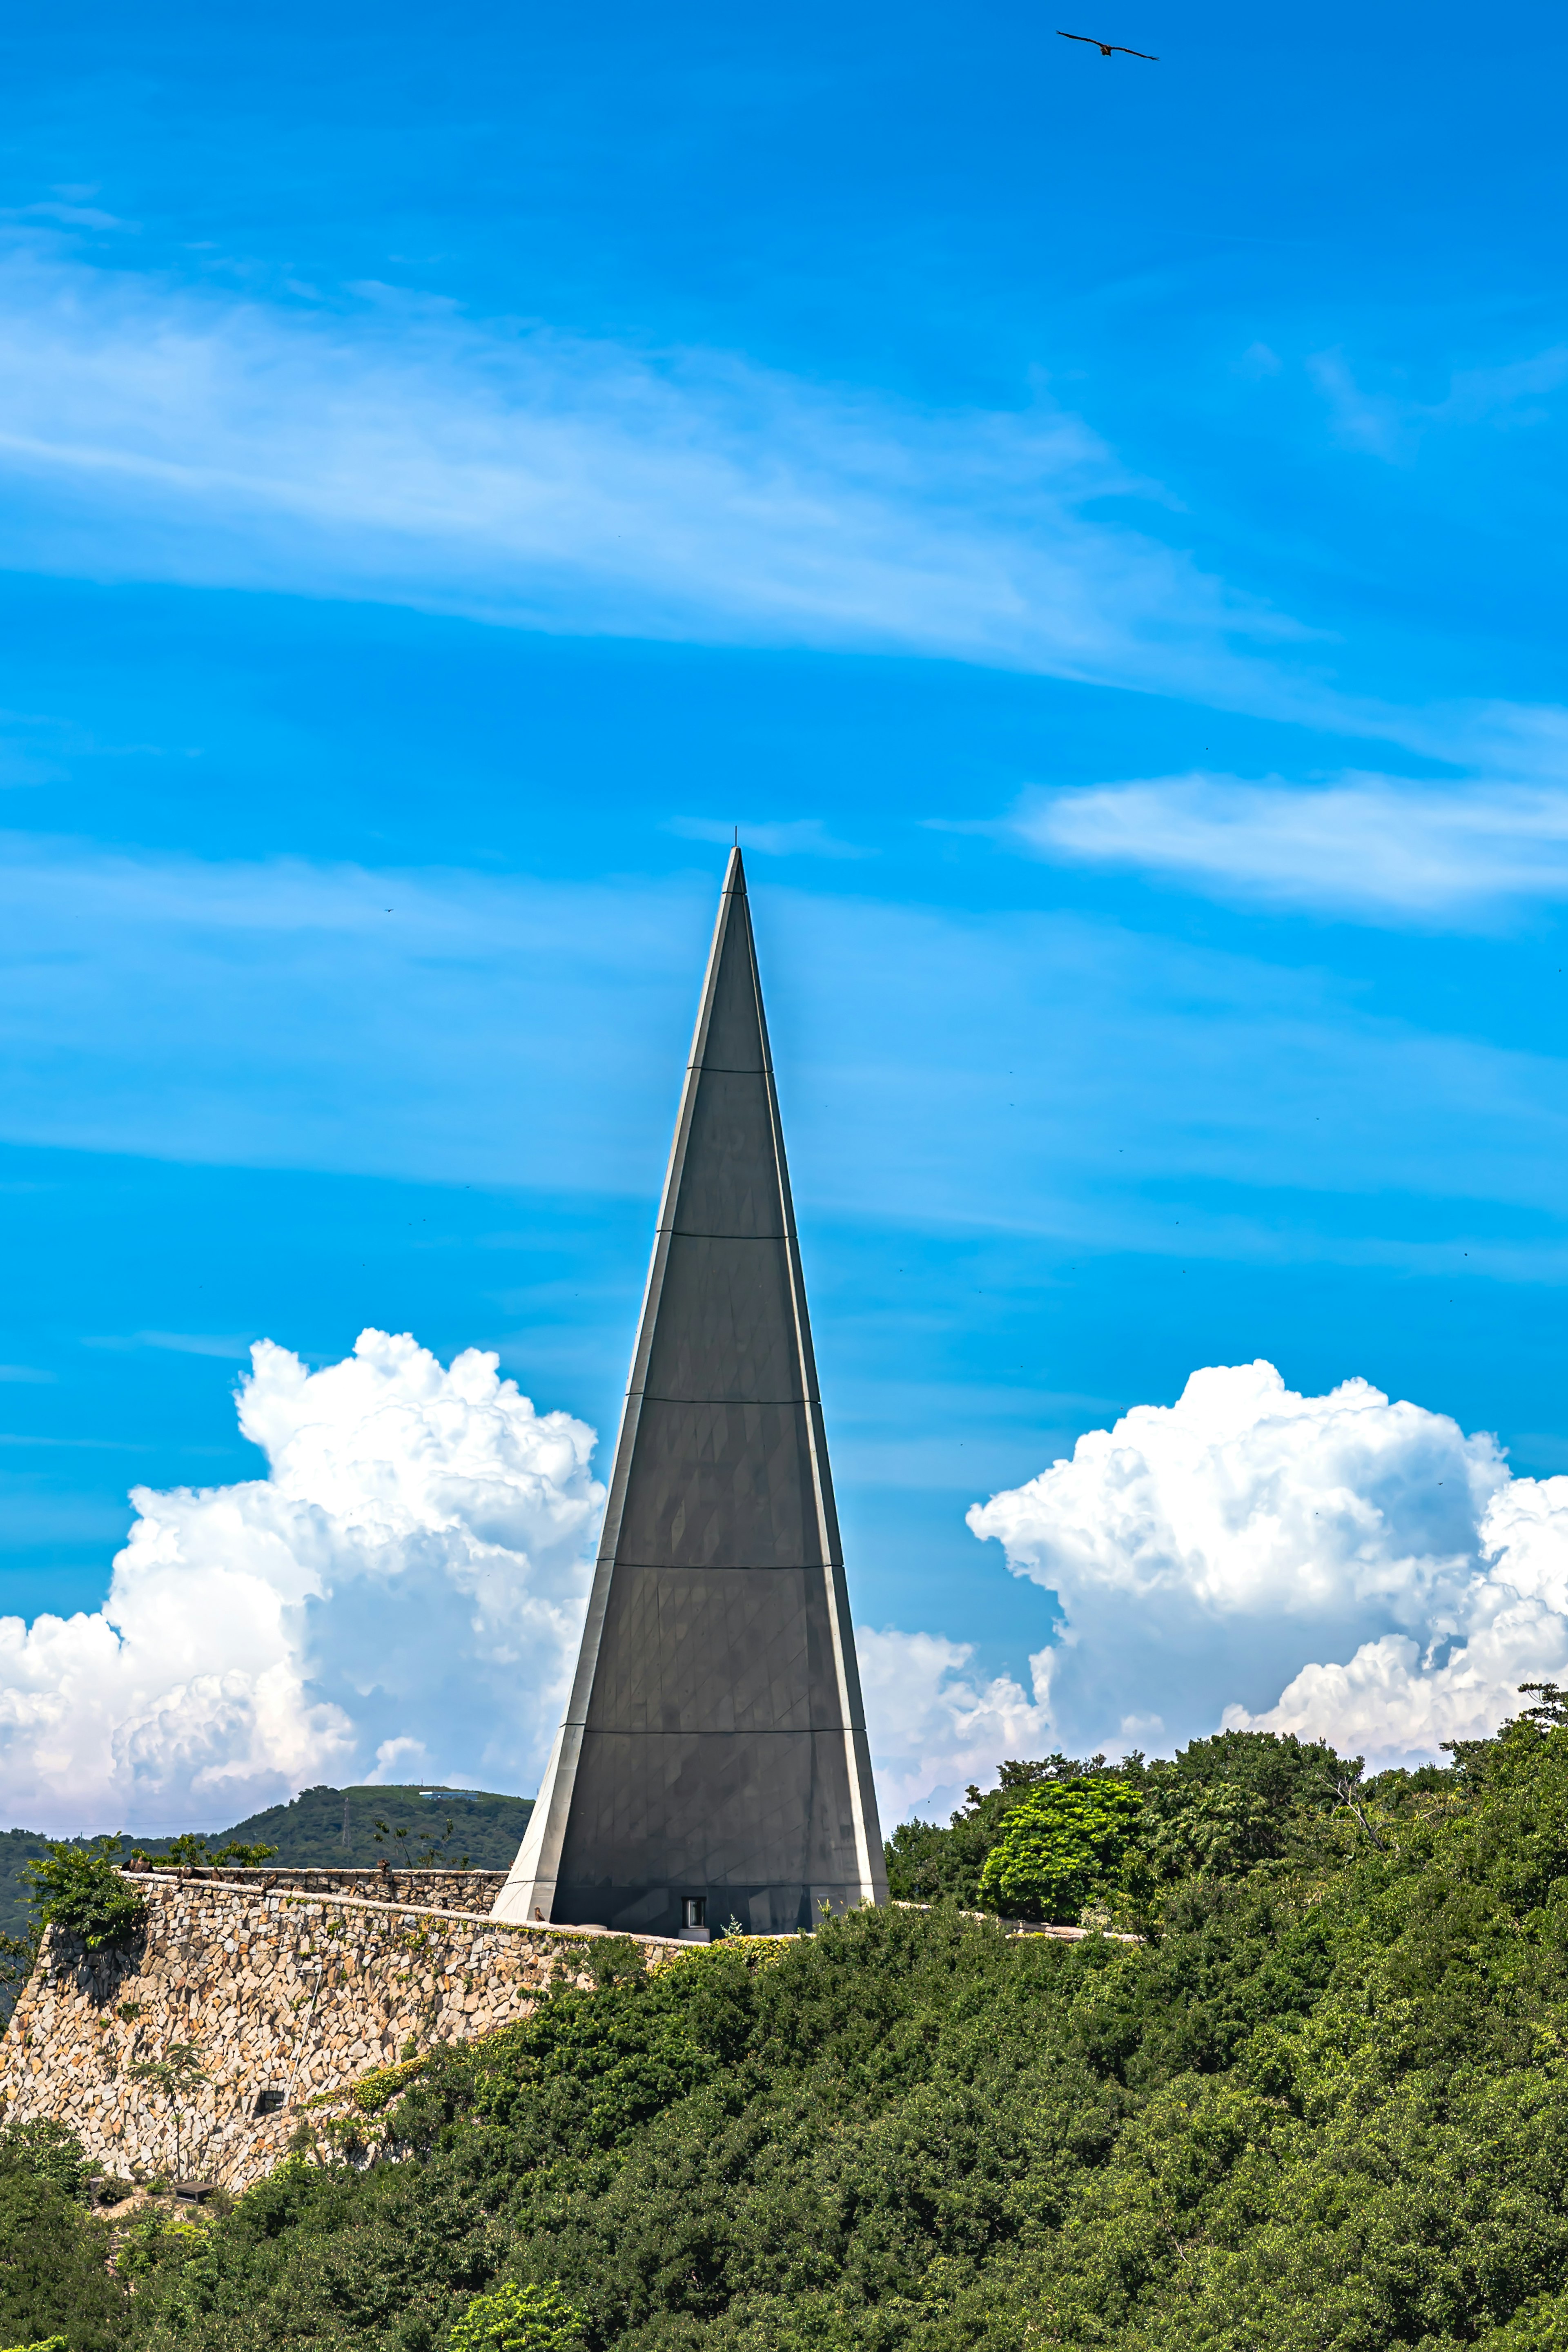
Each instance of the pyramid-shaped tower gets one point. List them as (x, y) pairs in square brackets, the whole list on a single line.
[(713, 1763)]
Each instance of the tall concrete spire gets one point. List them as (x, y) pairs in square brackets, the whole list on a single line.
[(713, 1761)]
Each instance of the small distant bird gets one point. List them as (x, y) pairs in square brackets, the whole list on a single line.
[(1108, 49)]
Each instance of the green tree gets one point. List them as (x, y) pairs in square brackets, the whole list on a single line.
[(518, 2319), (1210, 1828), (1064, 1844), (191, 1851), (927, 1864), (1290, 1776), (54, 2270), (1221, 1806), (82, 1890), (177, 2074)]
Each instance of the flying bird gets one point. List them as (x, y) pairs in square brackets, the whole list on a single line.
[(1108, 49)]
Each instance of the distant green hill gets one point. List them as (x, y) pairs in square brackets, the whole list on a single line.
[(326, 1827)]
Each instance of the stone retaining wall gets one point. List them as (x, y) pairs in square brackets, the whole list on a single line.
[(294, 1993)]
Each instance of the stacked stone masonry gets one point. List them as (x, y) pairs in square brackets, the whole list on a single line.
[(286, 1995)]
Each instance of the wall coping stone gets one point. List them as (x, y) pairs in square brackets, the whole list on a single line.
[(293, 1898)]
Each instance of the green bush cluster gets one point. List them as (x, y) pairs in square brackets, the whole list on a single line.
[(1322, 2104), (518, 2319), (191, 1851), (48, 2152), (55, 2281), (81, 1890)]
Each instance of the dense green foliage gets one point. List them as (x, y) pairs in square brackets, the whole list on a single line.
[(48, 2151), (1323, 2107), (54, 2274), (1222, 1806), (1066, 1842), (81, 1890), (518, 2319), (928, 1865)]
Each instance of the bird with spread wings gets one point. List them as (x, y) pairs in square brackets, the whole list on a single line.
[(1108, 49)]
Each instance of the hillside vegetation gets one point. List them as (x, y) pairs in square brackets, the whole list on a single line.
[(309, 1833), (1323, 2107)]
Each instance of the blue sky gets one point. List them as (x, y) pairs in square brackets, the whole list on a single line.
[(1093, 526)]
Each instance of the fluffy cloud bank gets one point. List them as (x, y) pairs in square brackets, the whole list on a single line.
[(936, 1725), (401, 1593), (1339, 1565)]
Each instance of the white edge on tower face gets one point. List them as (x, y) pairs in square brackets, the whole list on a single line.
[(529, 1894)]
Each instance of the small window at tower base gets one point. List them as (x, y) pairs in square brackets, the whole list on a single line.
[(269, 2102)]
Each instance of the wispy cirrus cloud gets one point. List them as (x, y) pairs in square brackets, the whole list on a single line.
[(395, 449), (231, 1345), (380, 446), (1374, 847), (1003, 1071), (1392, 425)]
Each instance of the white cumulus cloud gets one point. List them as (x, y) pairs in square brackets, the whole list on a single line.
[(934, 1725), (1343, 1566), (401, 1593)]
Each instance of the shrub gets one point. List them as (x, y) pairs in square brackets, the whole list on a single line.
[(1323, 2103), (80, 1889), (46, 2150), (190, 1851), (616, 1960), (518, 2319)]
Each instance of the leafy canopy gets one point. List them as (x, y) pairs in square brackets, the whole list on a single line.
[(1054, 1836), (518, 2319), (81, 1890), (54, 2274), (1066, 1841)]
